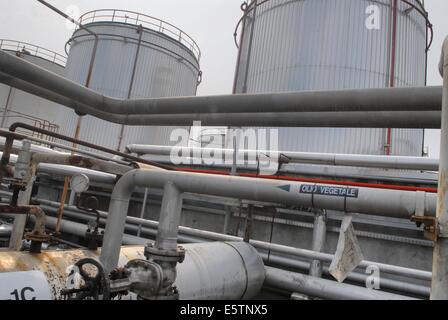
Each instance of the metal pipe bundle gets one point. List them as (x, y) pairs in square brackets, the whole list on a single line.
[(333, 159), (399, 108)]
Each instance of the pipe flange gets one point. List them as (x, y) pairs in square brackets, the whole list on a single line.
[(156, 254), (146, 277), (31, 236)]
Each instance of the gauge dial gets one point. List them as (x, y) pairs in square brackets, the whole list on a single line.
[(80, 183)]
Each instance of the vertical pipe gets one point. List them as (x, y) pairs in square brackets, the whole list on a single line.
[(249, 50), (169, 221), (319, 238), (394, 8), (240, 51), (142, 212), (439, 286), (131, 85), (23, 165), (233, 172), (249, 222), (87, 84), (71, 200), (8, 102)]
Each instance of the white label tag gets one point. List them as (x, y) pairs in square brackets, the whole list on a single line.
[(29, 285), (348, 254)]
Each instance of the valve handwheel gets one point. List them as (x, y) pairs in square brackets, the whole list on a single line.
[(94, 286)]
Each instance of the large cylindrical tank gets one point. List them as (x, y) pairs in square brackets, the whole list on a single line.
[(297, 45), (213, 271), (137, 57), (19, 106)]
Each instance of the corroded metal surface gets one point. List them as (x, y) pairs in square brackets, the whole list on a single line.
[(210, 271)]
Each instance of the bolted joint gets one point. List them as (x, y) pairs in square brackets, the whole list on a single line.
[(433, 229), (151, 280), (145, 278), (155, 254)]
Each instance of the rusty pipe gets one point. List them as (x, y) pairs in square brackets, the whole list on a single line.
[(17, 125), (38, 235)]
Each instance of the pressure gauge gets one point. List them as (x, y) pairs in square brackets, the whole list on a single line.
[(80, 183)]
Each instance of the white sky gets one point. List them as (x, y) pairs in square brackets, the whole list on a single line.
[(210, 22)]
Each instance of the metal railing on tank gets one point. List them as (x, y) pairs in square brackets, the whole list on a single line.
[(33, 50), (135, 18), (31, 120)]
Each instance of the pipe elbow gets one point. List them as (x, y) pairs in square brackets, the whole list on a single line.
[(125, 186)]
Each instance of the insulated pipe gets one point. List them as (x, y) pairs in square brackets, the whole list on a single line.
[(439, 289), (79, 230), (415, 119), (333, 159), (56, 169), (63, 170), (169, 221), (370, 201), (326, 289), (80, 161), (403, 99), (261, 245)]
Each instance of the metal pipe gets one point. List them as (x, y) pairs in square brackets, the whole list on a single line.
[(371, 201), (24, 171), (131, 85), (38, 148), (170, 214), (142, 212), (8, 102), (279, 261), (318, 244), (63, 170), (333, 159), (326, 289), (360, 100), (80, 161), (260, 245), (11, 135), (439, 289), (81, 26)]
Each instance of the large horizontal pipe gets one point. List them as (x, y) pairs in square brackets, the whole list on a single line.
[(333, 159), (370, 201), (151, 229), (400, 108), (64, 170), (321, 288), (80, 161)]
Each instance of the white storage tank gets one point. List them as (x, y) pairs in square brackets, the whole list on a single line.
[(18, 106), (138, 56), (297, 45)]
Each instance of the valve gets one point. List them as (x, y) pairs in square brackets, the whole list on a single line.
[(95, 287), (93, 236)]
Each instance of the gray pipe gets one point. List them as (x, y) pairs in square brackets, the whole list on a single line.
[(371, 201), (79, 230), (169, 221), (319, 238), (369, 161), (337, 105), (326, 289)]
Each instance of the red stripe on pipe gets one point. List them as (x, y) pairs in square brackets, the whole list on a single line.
[(314, 180)]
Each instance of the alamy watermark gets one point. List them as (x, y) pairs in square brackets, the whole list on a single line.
[(255, 148)]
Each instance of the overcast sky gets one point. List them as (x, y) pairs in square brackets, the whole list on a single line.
[(210, 22)]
